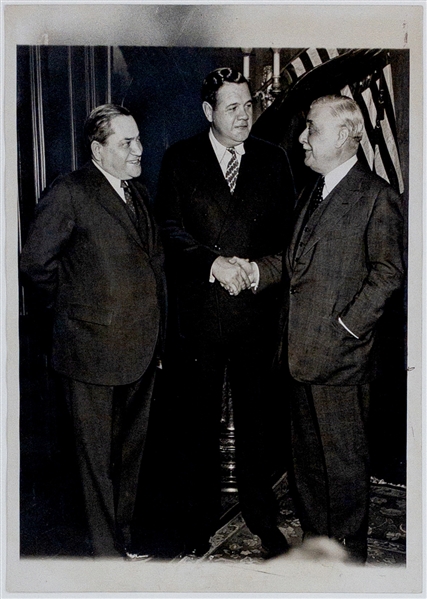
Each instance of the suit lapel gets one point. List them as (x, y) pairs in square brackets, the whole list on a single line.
[(145, 221), (342, 199), (112, 202), (300, 211), (210, 171)]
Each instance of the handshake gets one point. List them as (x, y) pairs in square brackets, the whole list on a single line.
[(235, 274)]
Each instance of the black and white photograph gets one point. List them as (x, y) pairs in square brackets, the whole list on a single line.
[(213, 280)]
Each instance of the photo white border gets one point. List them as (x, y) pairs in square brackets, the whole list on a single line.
[(344, 24)]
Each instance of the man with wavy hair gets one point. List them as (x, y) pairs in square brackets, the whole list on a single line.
[(344, 262), (225, 200)]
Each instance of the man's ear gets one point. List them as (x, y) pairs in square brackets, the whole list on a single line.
[(95, 147), (342, 137), (208, 110)]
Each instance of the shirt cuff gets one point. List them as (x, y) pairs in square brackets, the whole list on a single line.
[(211, 277), (255, 283), (346, 328)]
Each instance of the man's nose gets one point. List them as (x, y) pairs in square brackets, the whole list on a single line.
[(136, 147), (244, 113), (303, 137)]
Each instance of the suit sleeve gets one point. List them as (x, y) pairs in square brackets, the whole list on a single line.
[(52, 227), (194, 257), (270, 267), (270, 270), (384, 255)]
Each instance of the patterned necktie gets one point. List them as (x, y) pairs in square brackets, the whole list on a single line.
[(317, 197), (232, 170), (128, 198)]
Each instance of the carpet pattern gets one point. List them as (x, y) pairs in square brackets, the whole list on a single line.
[(386, 535)]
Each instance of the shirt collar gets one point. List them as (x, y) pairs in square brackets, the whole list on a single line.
[(334, 177), (220, 150), (114, 182)]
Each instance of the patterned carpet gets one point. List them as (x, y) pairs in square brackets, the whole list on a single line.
[(387, 528)]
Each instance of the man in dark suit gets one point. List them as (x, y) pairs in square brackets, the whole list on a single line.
[(94, 254), (344, 262), (224, 202)]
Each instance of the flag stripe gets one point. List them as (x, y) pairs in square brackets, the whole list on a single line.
[(389, 80), (392, 148), (369, 111), (387, 141), (332, 52), (299, 67), (365, 143), (388, 163), (388, 105), (315, 57), (370, 105), (323, 54), (379, 165), (306, 61), (291, 70), (370, 147)]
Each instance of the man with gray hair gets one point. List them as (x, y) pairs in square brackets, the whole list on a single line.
[(344, 262)]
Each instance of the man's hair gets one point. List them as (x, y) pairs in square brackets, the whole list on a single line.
[(348, 112), (216, 79), (98, 123)]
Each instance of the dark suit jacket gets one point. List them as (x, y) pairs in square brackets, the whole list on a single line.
[(103, 279), (347, 263), (202, 221)]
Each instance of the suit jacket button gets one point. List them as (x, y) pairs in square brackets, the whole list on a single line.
[(292, 290)]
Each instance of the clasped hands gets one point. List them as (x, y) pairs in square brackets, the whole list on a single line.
[(234, 274)]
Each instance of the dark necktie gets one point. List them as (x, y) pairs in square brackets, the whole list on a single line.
[(232, 170), (128, 198), (315, 201), (317, 197)]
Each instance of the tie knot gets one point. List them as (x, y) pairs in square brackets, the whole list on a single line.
[(232, 151), (124, 184)]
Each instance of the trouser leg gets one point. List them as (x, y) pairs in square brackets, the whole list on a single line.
[(110, 425), (331, 462), (130, 424), (91, 410), (248, 380), (201, 400)]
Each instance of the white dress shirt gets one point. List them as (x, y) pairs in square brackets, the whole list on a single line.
[(115, 183), (224, 157), (222, 153), (334, 177)]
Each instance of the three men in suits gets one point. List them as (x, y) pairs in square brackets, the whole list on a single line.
[(93, 252), (224, 202), (344, 262)]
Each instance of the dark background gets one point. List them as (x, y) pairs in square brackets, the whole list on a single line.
[(57, 86)]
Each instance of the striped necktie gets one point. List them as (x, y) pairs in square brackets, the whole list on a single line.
[(128, 198), (232, 170)]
